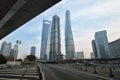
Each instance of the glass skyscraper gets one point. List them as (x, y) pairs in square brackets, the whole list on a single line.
[(12, 54), (3, 48), (94, 49), (102, 44), (55, 44), (6, 48), (33, 50), (15, 51), (45, 39), (115, 48), (69, 42)]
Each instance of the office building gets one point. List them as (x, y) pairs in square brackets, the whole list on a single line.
[(33, 50), (92, 55), (115, 48), (12, 55), (94, 49), (60, 57), (55, 42), (6, 48), (79, 55), (102, 44), (69, 41), (3, 47), (16, 50), (45, 42)]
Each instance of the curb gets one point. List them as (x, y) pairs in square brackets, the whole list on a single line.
[(41, 72), (43, 76)]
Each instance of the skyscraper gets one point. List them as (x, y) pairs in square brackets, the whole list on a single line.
[(92, 55), (55, 44), (33, 50), (94, 49), (3, 47), (69, 42), (12, 54), (6, 48), (45, 39), (102, 44), (115, 48)]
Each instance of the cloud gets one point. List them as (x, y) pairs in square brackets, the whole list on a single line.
[(88, 17), (113, 30), (101, 8)]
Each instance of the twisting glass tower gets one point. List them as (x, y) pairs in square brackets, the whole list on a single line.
[(55, 45), (69, 42)]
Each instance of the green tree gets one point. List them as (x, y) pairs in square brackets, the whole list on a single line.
[(2, 59), (31, 58), (19, 60)]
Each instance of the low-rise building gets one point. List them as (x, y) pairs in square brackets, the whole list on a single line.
[(92, 55), (79, 55)]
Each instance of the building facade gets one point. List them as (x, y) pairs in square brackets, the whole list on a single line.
[(55, 40), (69, 41), (45, 42), (92, 55), (115, 48), (33, 50), (79, 55), (94, 49), (102, 44), (12, 54), (6, 49), (3, 47), (15, 50)]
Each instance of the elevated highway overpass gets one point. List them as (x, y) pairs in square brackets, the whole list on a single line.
[(15, 13)]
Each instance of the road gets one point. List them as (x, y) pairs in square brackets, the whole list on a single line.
[(57, 72)]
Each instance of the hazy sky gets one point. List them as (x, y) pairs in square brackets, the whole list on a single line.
[(87, 17)]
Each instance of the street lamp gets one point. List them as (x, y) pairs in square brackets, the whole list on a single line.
[(16, 50)]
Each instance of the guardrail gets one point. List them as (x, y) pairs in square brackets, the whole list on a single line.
[(111, 70), (19, 72)]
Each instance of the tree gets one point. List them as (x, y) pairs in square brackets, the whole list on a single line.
[(31, 58), (2, 59), (19, 60)]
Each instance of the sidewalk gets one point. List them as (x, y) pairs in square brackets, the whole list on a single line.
[(25, 73)]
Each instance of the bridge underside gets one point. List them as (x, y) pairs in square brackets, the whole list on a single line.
[(15, 13)]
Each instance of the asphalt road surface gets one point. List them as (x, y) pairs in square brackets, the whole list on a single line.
[(55, 72)]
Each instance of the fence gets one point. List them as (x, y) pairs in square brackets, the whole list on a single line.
[(111, 70)]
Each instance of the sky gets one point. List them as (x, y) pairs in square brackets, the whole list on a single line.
[(87, 17)]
